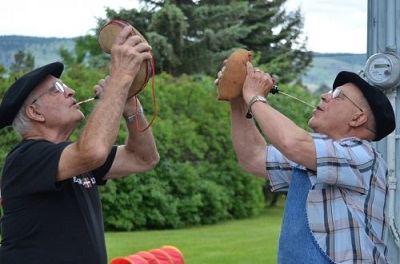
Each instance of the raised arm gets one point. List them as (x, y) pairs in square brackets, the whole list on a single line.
[(249, 144), (291, 140), (98, 136), (139, 154)]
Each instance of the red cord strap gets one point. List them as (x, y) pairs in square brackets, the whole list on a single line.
[(154, 99)]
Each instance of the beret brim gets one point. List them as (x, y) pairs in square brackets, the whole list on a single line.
[(17, 93)]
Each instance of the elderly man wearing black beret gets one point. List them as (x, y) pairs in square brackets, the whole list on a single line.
[(52, 210), (336, 180)]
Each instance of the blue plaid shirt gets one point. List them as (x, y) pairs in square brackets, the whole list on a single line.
[(346, 204)]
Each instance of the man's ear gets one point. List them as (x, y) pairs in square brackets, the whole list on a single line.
[(34, 113), (358, 119)]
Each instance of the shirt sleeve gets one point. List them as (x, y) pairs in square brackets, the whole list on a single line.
[(103, 170), (346, 163), (279, 169)]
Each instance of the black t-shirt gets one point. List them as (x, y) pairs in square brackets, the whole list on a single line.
[(47, 221)]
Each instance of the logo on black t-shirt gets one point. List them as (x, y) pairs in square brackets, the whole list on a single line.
[(85, 180)]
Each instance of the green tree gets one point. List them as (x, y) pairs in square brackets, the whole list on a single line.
[(23, 62), (196, 36), (3, 71), (198, 180), (277, 37), (86, 51)]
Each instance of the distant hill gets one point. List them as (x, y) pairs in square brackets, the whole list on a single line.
[(322, 72), (45, 50), (325, 66)]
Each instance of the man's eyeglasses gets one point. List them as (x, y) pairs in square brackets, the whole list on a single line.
[(57, 87), (335, 93)]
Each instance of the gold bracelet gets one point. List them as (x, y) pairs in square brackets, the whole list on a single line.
[(257, 98)]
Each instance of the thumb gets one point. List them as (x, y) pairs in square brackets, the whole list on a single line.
[(249, 67)]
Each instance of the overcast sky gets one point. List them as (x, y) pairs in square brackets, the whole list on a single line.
[(331, 25)]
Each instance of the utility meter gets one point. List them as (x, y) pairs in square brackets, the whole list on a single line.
[(383, 70)]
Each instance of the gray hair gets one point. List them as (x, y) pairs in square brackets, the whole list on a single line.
[(22, 123), (371, 123)]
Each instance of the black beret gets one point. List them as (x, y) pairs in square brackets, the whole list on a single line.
[(17, 93), (377, 100)]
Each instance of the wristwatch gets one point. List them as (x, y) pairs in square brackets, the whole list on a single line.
[(132, 118), (252, 101)]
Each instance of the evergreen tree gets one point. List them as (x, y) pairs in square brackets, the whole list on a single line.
[(86, 51), (196, 36), (23, 62), (277, 35)]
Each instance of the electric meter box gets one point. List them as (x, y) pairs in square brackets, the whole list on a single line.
[(383, 70)]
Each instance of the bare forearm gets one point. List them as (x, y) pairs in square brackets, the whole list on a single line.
[(128, 52), (140, 141), (294, 142), (139, 154), (98, 136), (248, 142), (103, 123), (291, 140)]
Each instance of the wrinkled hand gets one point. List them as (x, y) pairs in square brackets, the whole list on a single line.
[(128, 53), (100, 87), (257, 83)]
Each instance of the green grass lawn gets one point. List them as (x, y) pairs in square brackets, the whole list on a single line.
[(241, 241)]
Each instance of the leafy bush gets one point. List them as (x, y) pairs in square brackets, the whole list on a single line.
[(198, 180)]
